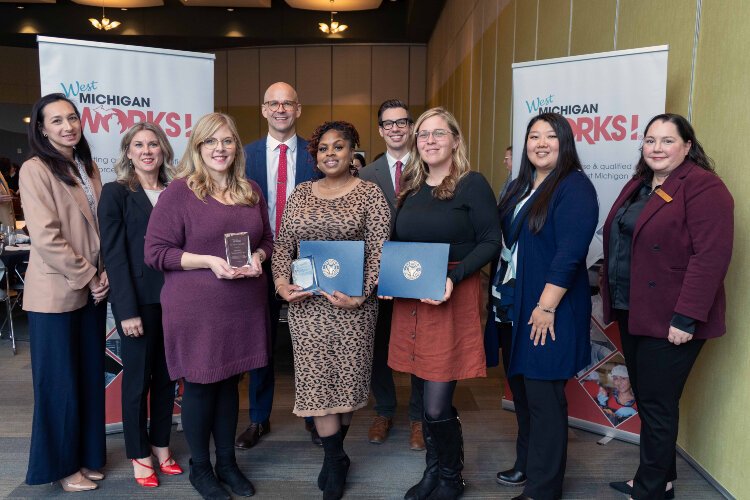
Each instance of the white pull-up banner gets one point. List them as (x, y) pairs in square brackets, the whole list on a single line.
[(608, 99), (115, 86)]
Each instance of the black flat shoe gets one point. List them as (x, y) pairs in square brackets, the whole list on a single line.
[(624, 487), (511, 477)]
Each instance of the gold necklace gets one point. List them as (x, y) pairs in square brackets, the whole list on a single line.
[(336, 188)]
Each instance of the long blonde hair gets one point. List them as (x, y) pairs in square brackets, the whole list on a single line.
[(193, 169), (124, 168), (416, 171)]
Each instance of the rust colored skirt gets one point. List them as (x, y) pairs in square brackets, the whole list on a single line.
[(440, 343)]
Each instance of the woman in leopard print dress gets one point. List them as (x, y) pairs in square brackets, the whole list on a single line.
[(332, 335)]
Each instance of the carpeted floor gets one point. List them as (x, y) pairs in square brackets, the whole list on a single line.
[(285, 463)]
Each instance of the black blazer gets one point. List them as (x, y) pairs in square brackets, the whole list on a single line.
[(123, 219)]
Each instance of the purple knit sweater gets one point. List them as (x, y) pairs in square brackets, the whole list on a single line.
[(213, 328)]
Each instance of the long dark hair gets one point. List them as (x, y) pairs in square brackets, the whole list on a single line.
[(567, 162), (695, 154), (62, 168)]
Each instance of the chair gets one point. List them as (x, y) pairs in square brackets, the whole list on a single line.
[(5, 297)]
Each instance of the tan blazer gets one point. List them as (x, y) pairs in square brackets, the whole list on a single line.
[(64, 240)]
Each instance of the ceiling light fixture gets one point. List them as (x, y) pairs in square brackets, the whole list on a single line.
[(334, 27), (105, 23)]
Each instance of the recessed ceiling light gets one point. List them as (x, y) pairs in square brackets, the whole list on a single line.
[(230, 10), (27, 119), (19, 7), (123, 8)]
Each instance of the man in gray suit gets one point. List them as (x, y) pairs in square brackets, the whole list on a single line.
[(396, 127)]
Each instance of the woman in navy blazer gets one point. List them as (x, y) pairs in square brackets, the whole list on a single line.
[(548, 218), (124, 211), (667, 247)]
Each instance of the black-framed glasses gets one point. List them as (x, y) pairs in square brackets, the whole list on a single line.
[(213, 143), (400, 123), (438, 134), (275, 105)]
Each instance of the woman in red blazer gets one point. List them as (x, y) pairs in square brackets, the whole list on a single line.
[(667, 247)]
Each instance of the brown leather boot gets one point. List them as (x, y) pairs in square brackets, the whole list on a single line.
[(416, 440), (378, 432)]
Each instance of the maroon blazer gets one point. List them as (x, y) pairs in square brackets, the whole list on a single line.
[(680, 254)]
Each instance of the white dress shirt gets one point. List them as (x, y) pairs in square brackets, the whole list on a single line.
[(272, 173), (392, 166)]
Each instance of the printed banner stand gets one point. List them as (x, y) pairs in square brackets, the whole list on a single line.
[(607, 98), (115, 86)]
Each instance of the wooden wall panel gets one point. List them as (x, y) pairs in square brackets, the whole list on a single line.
[(525, 28), (503, 92), (554, 28), (244, 93), (593, 26), (487, 101), (352, 91), (313, 73), (642, 24)]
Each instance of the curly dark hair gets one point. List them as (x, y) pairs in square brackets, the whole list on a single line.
[(347, 130)]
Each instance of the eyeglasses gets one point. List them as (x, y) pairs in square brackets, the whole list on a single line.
[(212, 143), (275, 105), (438, 134), (400, 123)]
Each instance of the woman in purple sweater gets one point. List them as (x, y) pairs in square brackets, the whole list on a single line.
[(215, 316)]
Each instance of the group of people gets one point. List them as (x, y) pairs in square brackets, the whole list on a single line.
[(152, 244)]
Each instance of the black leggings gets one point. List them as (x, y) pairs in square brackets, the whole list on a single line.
[(211, 409), (436, 396)]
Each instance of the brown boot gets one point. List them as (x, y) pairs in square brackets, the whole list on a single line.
[(416, 440), (378, 432)]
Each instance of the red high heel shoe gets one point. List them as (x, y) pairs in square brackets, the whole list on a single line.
[(170, 470), (147, 482)]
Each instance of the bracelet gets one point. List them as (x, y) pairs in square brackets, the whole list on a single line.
[(276, 291), (261, 256), (550, 310)]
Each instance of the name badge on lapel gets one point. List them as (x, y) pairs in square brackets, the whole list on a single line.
[(664, 196)]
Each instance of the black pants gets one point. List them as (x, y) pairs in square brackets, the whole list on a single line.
[(542, 413), (145, 371), (522, 410), (211, 409), (658, 371), (381, 383)]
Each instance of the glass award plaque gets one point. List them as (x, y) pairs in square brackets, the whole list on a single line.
[(303, 273), (238, 249)]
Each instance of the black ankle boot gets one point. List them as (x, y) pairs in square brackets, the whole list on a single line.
[(203, 480), (323, 475), (227, 471), (423, 488), (338, 466), (450, 448)]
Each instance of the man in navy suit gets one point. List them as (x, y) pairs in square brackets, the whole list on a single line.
[(396, 127), (277, 163)]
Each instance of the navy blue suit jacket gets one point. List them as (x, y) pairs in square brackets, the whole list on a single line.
[(255, 164)]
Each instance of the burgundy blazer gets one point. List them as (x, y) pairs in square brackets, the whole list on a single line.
[(680, 254)]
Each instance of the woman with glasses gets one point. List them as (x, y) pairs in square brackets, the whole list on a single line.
[(215, 315), (143, 171), (548, 218), (440, 341)]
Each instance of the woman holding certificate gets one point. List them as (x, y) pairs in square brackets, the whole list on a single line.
[(441, 341), (215, 315), (143, 172), (332, 334), (548, 217)]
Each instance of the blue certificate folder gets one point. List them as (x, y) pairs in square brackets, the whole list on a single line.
[(413, 270), (339, 265)]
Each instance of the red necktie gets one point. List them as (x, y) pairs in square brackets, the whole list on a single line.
[(281, 187), (398, 176)]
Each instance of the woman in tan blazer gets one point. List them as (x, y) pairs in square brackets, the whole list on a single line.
[(64, 296)]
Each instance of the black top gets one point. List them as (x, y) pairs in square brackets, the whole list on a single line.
[(468, 222), (620, 253)]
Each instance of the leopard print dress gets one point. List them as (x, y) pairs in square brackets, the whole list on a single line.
[(332, 346)]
